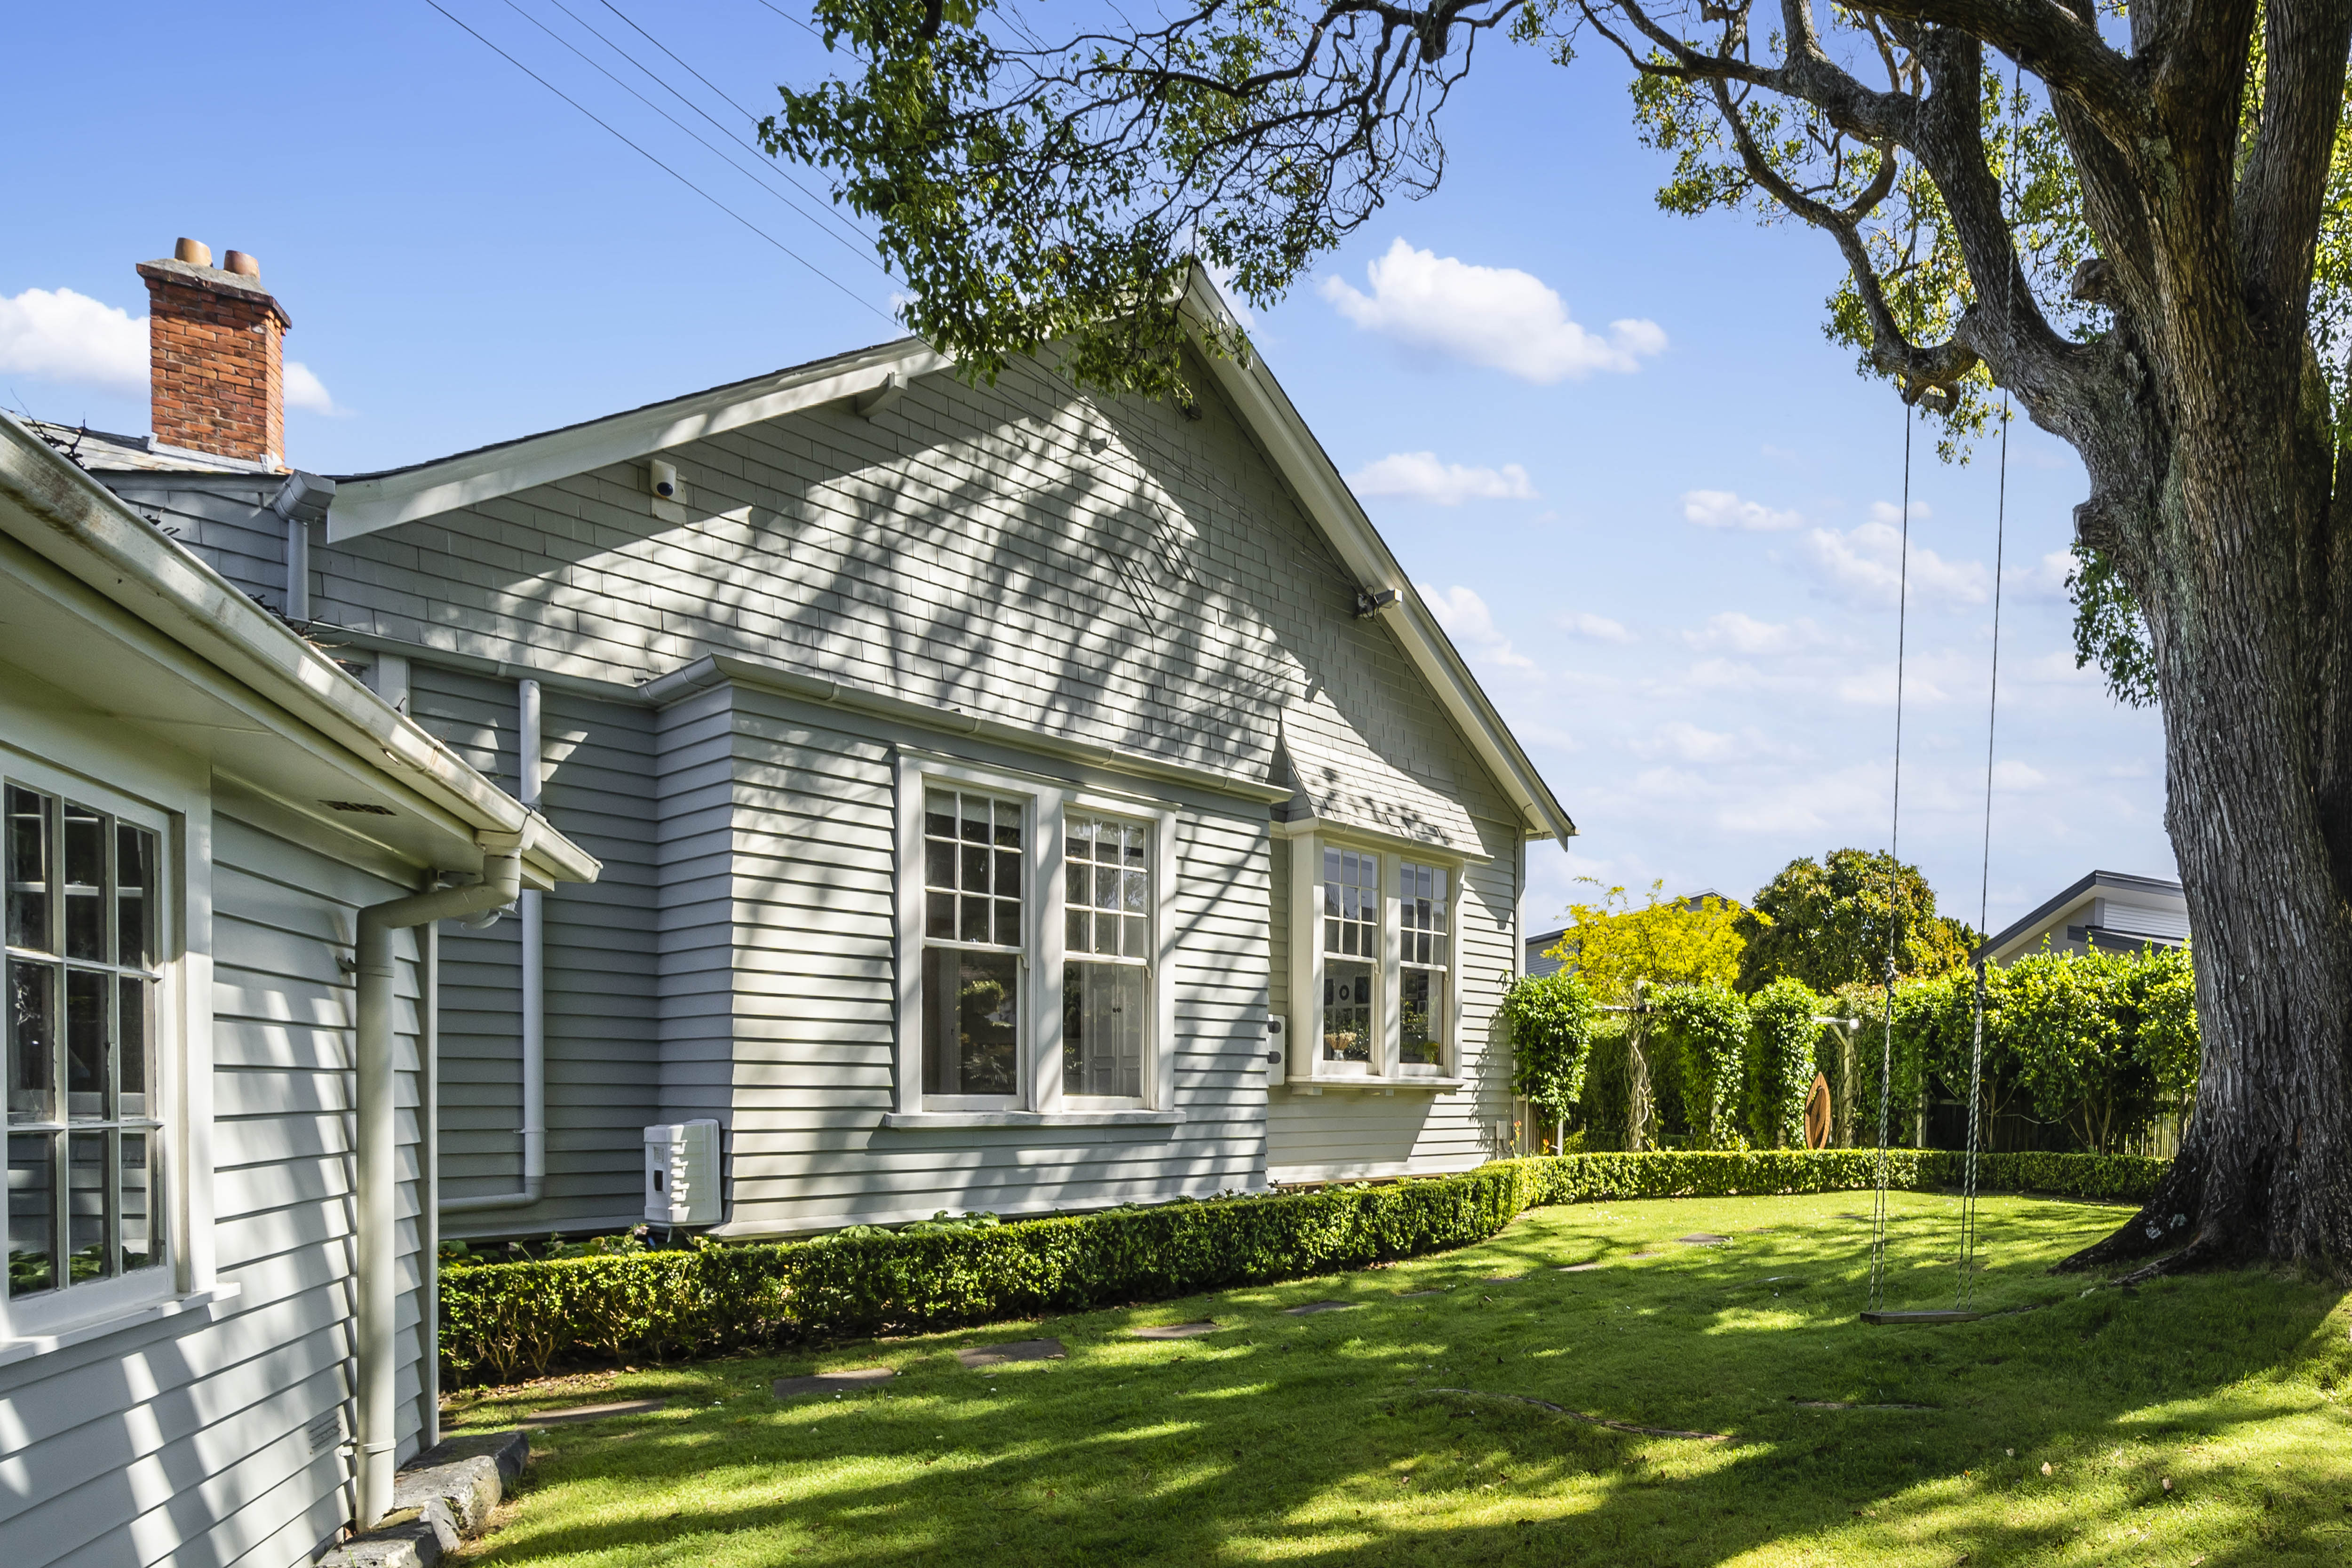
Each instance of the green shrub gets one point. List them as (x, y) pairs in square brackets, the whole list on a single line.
[(1783, 1031), (1549, 1018), (505, 1321), (1701, 1031)]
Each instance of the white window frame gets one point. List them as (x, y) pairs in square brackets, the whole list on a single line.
[(1449, 1046), (1306, 1066), (72, 1312), (1044, 906)]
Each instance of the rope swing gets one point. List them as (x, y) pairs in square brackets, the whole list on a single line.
[(1964, 1294)]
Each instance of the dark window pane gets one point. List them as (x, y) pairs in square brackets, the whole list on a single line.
[(131, 1048), (940, 814), (939, 915), (85, 1045), (1008, 923), (971, 1022), (939, 863), (1103, 1030), (1136, 929), (1081, 842), (1346, 1012), (1135, 848), (975, 819), (1133, 885), (1008, 825), (1075, 886), (975, 869), (142, 1204), (1421, 998), (1008, 873), (32, 1214), (1106, 934), (1076, 938), (975, 918), (1106, 887), (85, 883), (86, 1245), (28, 870), (32, 1038), (134, 868)]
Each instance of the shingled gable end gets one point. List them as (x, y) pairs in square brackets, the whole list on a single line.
[(973, 770)]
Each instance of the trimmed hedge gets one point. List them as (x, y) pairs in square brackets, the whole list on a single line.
[(504, 1321)]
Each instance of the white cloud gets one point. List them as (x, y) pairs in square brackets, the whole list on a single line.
[(59, 335), (305, 390), (1469, 623), (1722, 509), (1494, 316), (1687, 743), (1863, 565), (1422, 477), (2017, 775), (1600, 628), (2045, 579), (1889, 512), (1742, 633)]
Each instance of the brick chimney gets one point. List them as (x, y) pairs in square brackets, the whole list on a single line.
[(215, 343)]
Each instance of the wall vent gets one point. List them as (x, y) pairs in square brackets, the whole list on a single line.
[(364, 807)]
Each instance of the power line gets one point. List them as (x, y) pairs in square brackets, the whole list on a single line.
[(764, 187), (664, 168)]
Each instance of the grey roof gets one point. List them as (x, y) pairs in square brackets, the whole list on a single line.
[(104, 451), (2122, 881)]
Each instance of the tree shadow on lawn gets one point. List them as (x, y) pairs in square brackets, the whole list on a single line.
[(1327, 1438)]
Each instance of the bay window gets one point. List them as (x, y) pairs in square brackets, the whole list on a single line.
[(1375, 998), (1034, 949)]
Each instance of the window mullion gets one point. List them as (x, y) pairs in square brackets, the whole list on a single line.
[(1388, 1054)]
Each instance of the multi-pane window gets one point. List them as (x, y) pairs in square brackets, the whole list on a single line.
[(974, 943), (1420, 964), (85, 1157), (1352, 953), (1106, 898)]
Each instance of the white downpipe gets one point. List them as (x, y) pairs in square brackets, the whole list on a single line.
[(379, 1150), (534, 996), (428, 1053)]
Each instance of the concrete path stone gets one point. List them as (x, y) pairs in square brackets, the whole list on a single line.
[(1016, 1349), (1702, 1238), (832, 1382), (1175, 1330), (1580, 1268), (1320, 1306), (594, 1412)]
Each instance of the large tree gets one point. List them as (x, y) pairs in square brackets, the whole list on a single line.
[(2128, 223)]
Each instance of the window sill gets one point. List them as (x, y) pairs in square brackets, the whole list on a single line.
[(930, 1119), (1384, 1085), (25, 1347)]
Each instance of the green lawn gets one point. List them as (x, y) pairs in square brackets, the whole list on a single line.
[(1328, 1438)]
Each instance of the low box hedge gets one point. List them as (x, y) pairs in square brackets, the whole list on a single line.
[(502, 1321)]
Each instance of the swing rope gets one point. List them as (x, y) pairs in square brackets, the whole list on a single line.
[(1894, 908), (1967, 1290)]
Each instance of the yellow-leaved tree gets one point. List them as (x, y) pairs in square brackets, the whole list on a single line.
[(1615, 943)]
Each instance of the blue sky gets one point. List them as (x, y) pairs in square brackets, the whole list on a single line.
[(1652, 503)]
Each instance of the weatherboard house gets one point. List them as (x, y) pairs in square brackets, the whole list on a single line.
[(1007, 798)]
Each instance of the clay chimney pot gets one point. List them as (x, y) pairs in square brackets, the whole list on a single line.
[(238, 262), (194, 252)]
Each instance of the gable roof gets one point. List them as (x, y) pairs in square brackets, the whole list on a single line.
[(2147, 889), (368, 503)]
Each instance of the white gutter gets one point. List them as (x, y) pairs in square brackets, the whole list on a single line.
[(379, 1150), (534, 996)]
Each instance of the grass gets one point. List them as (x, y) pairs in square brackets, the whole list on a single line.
[(1331, 1437)]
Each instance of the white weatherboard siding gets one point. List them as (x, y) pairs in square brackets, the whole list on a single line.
[(1105, 573), (814, 1025), (603, 1067), (217, 1438)]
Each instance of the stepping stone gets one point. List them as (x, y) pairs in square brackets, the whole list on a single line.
[(1433, 1290), (1701, 1239), (1175, 1330), (1016, 1349), (594, 1412), (1641, 1255), (831, 1382), (1581, 1268), (1504, 1278), (1319, 1306)]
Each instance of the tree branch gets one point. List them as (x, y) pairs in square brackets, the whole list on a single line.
[(2058, 45), (2285, 184)]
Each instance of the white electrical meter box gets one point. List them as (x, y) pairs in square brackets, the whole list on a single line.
[(682, 1174)]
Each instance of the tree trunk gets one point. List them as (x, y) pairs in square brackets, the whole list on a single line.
[(2241, 587)]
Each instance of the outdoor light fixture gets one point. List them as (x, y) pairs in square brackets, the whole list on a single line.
[(1371, 602)]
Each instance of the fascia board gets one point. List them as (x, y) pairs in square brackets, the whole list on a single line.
[(1278, 424), (366, 506), (66, 518)]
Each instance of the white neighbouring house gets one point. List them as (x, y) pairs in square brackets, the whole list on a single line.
[(216, 1336), (2107, 911)]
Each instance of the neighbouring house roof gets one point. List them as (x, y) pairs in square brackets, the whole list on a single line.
[(2137, 891), (201, 663), (368, 503), (104, 451)]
